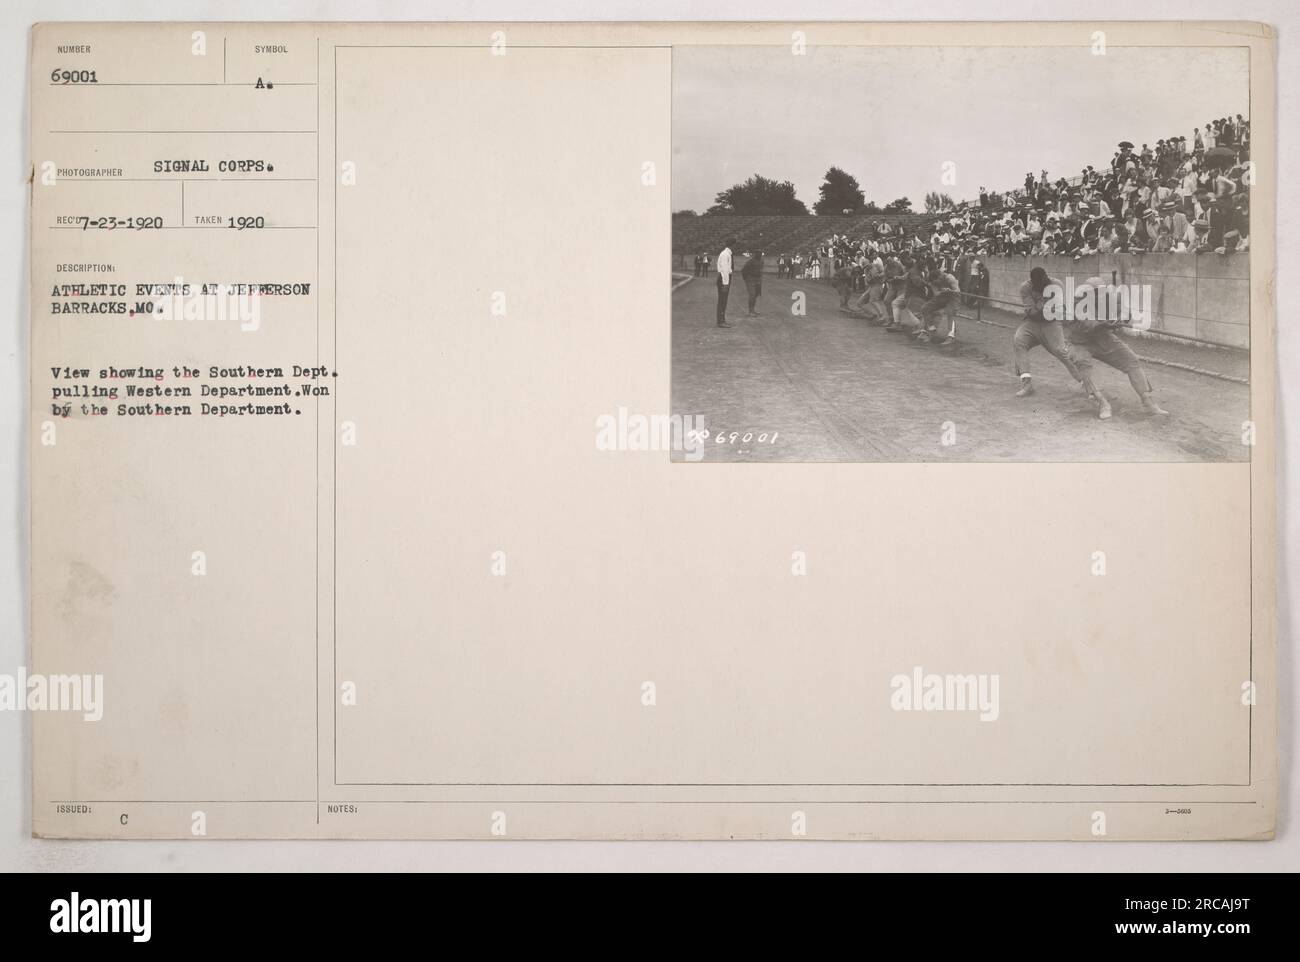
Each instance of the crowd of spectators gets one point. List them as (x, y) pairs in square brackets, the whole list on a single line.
[(1179, 196)]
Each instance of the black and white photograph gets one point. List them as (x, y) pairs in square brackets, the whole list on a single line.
[(962, 253)]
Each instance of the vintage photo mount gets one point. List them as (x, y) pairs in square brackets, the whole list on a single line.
[(541, 638)]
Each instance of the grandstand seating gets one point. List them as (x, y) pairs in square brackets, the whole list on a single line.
[(780, 234)]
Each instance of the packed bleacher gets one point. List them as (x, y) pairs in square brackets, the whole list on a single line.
[(1182, 195)]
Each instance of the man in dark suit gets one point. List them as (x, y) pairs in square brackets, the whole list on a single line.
[(752, 272)]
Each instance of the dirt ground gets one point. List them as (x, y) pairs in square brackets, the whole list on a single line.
[(832, 387)]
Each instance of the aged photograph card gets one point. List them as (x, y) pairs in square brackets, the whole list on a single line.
[(395, 388)]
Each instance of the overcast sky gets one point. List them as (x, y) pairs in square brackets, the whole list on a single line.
[(892, 116)]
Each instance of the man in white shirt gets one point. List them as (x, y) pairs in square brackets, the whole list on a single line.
[(724, 282)]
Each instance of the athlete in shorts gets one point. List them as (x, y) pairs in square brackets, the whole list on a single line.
[(947, 295), (1038, 330), (896, 276), (1097, 340)]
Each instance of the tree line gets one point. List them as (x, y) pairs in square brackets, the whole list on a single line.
[(840, 193)]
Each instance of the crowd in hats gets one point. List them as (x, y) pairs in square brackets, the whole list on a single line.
[(1180, 195)]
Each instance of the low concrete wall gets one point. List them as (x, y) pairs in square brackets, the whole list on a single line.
[(1197, 295)]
